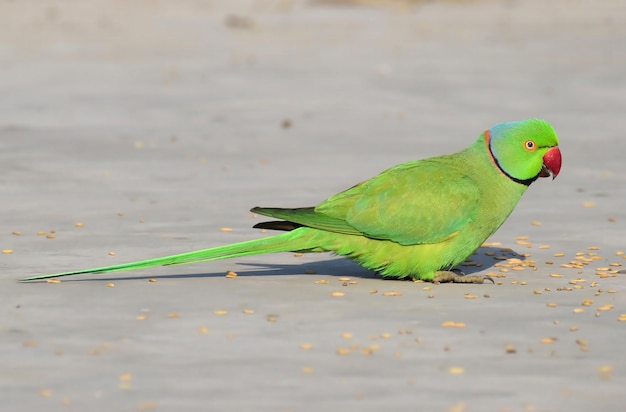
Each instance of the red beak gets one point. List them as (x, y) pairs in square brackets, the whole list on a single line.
[(551, 163)]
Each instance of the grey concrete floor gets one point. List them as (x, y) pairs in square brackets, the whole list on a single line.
[(156, 124)]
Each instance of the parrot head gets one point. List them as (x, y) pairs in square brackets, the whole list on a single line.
[(524, 150)]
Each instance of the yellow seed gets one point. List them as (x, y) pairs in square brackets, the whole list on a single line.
[(610, 291), (468, 296), (551, 305), (321, 282), (615, 264), (141, 317), (544, 247), (537, 292), (120, 213), (587, 302), (126, 377), (343, 279), (306, 346), (450, 324), (7, 251), (41, 233), (307, 370), (547, 340), (297, 254), (203, 330), (111, 284), (373, 291), (111, 253), (226, 229), (346, 335), (53, 280), (578, 310), (455, 370), (343, 351), (221, 312), (392, 293), (535, 223), (152, 280), (247, 311), (606, 307), (555, 275), (230, 274), (559, 254), (16, 232), (593, 248), (427, 288), (45, 393), (310, 272), (79, 224), (337, 294), (573, 328), (173, 315), (511, 349)]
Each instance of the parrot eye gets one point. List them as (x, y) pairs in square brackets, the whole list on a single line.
[(529, 145)]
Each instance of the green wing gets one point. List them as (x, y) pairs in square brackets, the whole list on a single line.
[(425, 201), (303, 216)]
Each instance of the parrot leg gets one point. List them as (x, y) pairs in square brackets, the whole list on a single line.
[(445, 276)]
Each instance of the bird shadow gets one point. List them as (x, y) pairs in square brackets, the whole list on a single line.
[(483, 259)]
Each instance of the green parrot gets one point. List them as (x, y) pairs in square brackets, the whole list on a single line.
[(418, 219)]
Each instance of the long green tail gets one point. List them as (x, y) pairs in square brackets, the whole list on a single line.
[(286, 242)]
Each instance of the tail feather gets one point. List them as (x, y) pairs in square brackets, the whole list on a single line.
[(290, 241)]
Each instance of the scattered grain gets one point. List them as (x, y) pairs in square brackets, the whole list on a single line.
[(392, 293), (451, 324)]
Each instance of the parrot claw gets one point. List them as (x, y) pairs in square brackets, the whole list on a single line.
[(446, 276)]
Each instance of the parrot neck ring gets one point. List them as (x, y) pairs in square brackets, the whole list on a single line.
[(525, 182)]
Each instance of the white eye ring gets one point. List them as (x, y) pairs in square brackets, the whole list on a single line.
[(529, 145)]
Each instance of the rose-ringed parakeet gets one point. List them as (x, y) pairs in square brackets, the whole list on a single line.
[(416, 220)]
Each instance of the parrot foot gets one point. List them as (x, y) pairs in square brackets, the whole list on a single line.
[(446, 276)]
